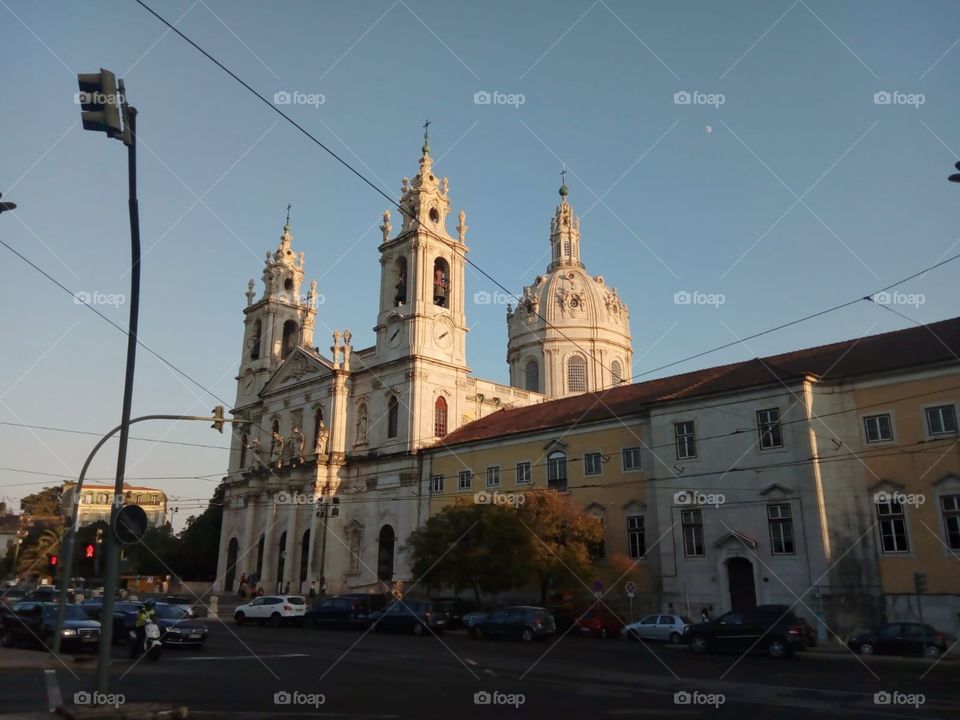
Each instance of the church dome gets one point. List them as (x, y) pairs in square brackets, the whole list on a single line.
[(568, 319)]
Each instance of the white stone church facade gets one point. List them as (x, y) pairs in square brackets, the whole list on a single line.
[(323, 485)]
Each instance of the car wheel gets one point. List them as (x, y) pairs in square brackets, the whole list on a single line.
[(932, 651), (240, 618), (6, 639), (866, 649), (418, 629), (275, 620), (698, 643), (527, 635), (604, 633), (777, 648), (675, 638), (476, 633), (633, 636)]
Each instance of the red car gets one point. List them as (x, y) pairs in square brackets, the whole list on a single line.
[(598, 623)]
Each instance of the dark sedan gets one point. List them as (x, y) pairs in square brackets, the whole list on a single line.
[(526, 622), (175, 625), (901, 638), (344, 611), (123, 610), (34, 623), (774, 633), (416, 616)]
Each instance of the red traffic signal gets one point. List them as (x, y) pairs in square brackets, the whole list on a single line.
[(89, 551), (52, 560)]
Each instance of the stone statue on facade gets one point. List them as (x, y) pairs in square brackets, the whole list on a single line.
[(296, 444), (277, 447), (362, 425), (323, 434)]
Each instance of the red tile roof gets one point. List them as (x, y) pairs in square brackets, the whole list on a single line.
[(917, 346)]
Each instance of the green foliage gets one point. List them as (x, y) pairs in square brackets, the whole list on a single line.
[(44, 502), (200, 540)]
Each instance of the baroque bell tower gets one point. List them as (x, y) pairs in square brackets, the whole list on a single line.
[(422, 273), (277, 323)]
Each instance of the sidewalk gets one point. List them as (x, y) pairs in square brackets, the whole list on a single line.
[(29, 659)]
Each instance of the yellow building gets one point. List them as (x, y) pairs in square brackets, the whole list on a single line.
[(97, 500)]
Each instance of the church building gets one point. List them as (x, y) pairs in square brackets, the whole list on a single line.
[(323, 482)]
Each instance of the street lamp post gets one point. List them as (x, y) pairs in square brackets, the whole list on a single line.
[(956, 176)]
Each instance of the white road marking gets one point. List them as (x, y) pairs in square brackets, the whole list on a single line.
[(54, 698), (239, 657)]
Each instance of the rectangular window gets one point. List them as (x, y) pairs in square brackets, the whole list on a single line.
[(463, 480), (686, 440), (592, 464), (631, 458), (438, 483), (942, 420), (557, 471), (950, 504), (878, 428), (781, 529), (771, 434), (493, 476), (636, 538), (691, 522), (524, 476), (893, 527)]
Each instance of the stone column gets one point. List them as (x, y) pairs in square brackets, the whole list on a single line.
[(311, 551), (269, 574), (337, 441), (248, 552)]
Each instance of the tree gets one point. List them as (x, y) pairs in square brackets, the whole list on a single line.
[(200, 540), (44, 502), (36, 548), (561, 538), (470, 546)]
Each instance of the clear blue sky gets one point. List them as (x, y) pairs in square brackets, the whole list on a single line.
[(673, 197)]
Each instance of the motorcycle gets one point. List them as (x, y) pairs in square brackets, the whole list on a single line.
[(150, 644)]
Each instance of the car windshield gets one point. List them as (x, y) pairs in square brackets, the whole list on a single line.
[(71, 612), (170, 612)]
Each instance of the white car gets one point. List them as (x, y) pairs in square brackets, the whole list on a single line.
[(670, 628), (273, 609)]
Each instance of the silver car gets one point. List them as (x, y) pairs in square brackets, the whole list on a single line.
[(669, 628)]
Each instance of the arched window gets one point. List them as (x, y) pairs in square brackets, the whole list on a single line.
[(289, 338), (243, 451), (385, 549), (531, 374), (441, 282), (317, 425), (255, 341), (616, 372), (566, 248), (440, 417), (401, 287), (361, 423), (557, 470), (576, 374), (393, 416)]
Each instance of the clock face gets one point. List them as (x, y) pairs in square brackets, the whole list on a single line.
[(394, 333), (443, 333), (248, 383)]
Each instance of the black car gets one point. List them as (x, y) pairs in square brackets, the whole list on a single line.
[(416, 616), (48, 593), (774, 633), (181, 602), (34, 623), (344, 611), (526, 622), (809, 632), (454, 609), (176, 627), (901, 638)]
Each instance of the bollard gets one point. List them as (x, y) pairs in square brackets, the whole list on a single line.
[(213, 606)]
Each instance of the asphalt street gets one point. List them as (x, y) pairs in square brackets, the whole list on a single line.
[(253, 672)]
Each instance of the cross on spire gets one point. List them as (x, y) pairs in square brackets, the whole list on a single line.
[(287, 224), (563, 181), (426, 136)]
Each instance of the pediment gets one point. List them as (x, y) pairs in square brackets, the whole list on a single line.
[(886, 485), (950, 480), (777, 490), (300, 367), (555, 445), (635, 507), (735, 537), (595, 508)]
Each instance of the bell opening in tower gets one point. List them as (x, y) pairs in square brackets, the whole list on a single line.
[(401, 287), (441, 282)]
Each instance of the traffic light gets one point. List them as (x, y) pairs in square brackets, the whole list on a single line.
[(89, 551), (52, 561), (218, 418), (100, 103)]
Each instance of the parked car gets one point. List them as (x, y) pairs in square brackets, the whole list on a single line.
[(454, 609), (416, 616), (34, 623), (809, 632), (776, 634), (563, 620), (12, 596), (669, 628), (176, 627), (472, 618), (48, 593), (526, 622), (598, 622), (901, 638), (344, 611), (273, 609)]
